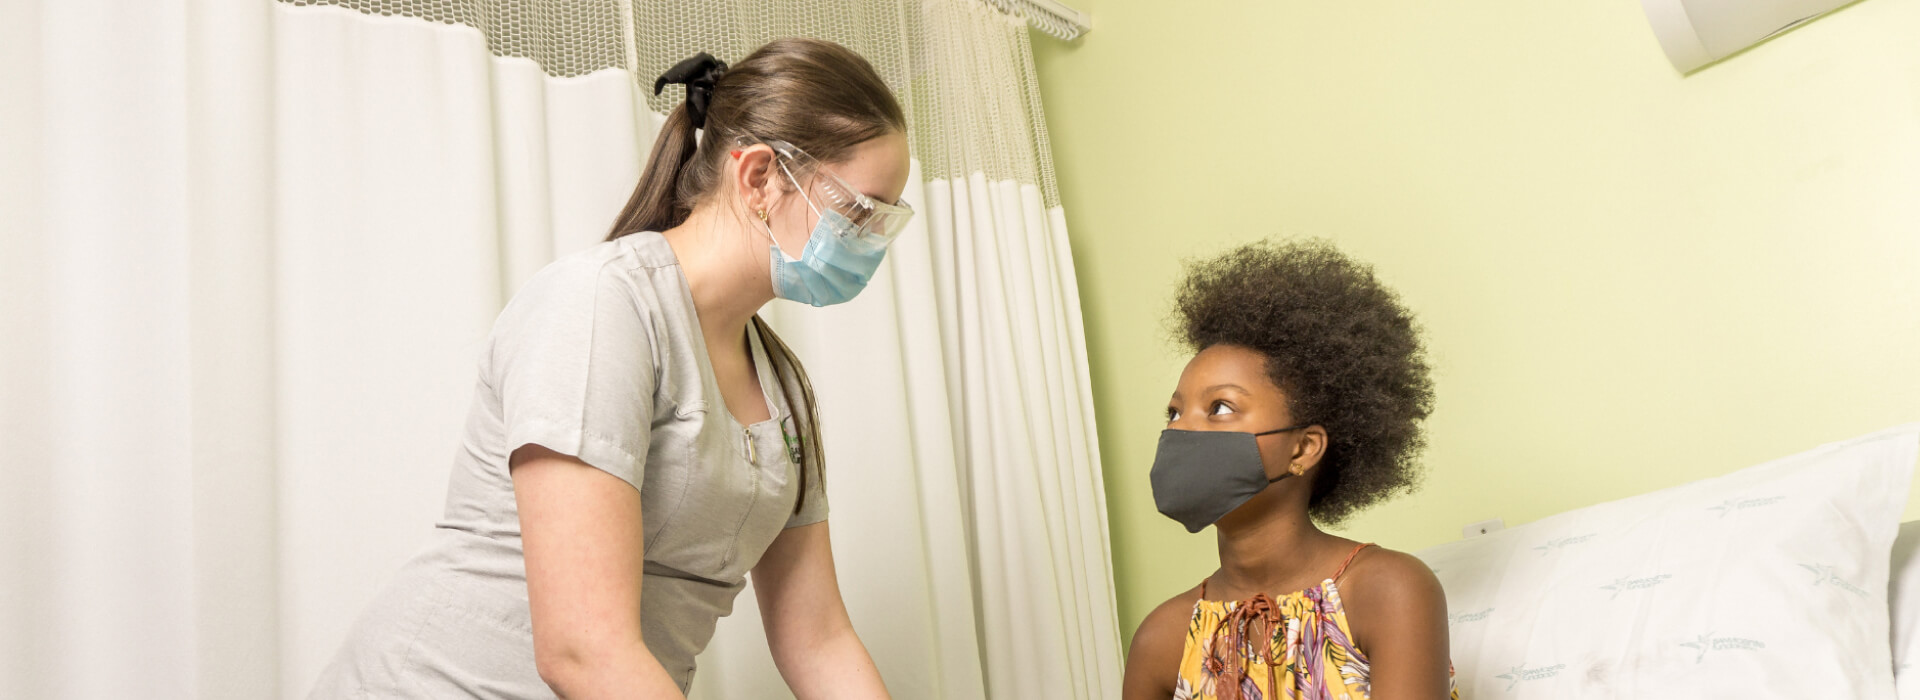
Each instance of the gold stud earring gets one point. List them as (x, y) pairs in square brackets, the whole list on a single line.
[(763, 215)]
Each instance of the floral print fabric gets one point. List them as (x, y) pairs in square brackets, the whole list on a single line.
[(1296, 648)]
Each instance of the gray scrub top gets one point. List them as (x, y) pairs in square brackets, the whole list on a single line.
[(601, 357)]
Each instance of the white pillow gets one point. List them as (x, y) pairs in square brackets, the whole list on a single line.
[(1769, 582), (1904, 599)]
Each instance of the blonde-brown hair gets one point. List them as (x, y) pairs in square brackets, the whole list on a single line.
[(814, 94)]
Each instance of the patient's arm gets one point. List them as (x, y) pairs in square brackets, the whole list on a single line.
[(1154, 660), (808, 630), (1399, 618)]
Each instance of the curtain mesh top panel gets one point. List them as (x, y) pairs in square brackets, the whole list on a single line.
[(962, 69), (567, 38)]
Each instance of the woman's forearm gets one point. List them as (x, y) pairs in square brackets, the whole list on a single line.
[(808, 630), (577, 672), (834, 666)]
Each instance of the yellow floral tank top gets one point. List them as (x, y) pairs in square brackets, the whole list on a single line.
[(1296, 648)]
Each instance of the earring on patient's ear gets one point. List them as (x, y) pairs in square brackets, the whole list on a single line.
[(763, 215)]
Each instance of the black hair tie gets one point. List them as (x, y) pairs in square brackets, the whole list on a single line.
[(699, 75)]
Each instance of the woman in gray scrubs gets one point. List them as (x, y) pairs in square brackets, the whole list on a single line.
[(639, 440)]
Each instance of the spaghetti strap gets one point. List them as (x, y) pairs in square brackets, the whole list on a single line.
[(1349, 561), (1336, 575)]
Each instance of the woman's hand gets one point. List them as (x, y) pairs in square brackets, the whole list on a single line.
[(808, 631), (581, 530)]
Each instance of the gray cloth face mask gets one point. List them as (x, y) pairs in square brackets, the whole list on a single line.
[(1199, 476)]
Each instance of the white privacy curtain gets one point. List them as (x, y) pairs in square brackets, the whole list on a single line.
[(251, 250)]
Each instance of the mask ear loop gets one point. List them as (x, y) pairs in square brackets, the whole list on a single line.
[(1283, 475), (798, 190), (802, 191), (1282, 430)]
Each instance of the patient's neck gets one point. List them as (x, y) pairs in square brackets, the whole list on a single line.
[(1271, 549)]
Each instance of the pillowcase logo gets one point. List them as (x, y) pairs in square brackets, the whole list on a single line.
[(1624, 584), (1824, 574), (1738, 504), (1461, 618), (1556, 545), (1707, 643), (1521, 674)]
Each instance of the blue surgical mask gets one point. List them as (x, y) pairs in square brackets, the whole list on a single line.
[(832, 269)]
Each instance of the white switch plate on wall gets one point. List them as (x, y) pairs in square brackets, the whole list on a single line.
[(1482, 527)]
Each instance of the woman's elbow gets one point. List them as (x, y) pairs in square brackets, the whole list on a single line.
[(570, 664), (561, 665), (795, 644)]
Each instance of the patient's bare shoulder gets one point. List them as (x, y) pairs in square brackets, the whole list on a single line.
[(1154, 660), (1391, 595)]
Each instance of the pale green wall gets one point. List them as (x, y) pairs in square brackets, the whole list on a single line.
[(1628, 279)]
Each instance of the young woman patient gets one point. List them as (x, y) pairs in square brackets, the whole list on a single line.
[(1302, 406)]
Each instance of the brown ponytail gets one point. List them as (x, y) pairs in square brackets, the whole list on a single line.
[(653, 206), (814, 94)]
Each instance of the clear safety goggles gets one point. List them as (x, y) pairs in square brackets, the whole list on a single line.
[(874, 222)]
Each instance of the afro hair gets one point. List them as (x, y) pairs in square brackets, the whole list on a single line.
[(1340, 345)]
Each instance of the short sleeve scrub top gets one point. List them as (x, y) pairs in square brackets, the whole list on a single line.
[(600, 357)]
